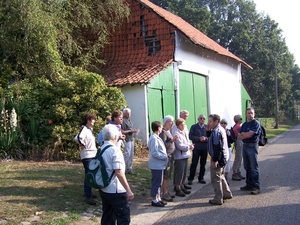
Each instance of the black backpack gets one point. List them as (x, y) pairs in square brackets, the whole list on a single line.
[(232, 134), (263, 140)]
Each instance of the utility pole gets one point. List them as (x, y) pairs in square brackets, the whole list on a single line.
[(276, 92)]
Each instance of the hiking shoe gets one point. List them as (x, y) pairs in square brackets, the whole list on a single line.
[(202, 181), (236, 177), (255, 191), (241, 176), (190, 182), (213, 202), (167, 197), (130, 172), (157, 204), (171, 195), (247, 188), (187, 187), (180, 193), (185, 191), (90, 201)]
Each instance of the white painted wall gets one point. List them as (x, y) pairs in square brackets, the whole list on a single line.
[(136, 97), (224, 76)]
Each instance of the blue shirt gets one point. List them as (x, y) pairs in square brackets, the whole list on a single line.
[(254, 126)]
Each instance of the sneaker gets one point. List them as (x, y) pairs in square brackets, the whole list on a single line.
[(167, 197), (187, 187), (157, 204), (241, 176), (236, 177), (172, 196), (90, 201), (185, 191), (213, 202), (180, 193), (247, 188), (202, 181), (190, 182), (255, 191), (93, 196), (130, 172)]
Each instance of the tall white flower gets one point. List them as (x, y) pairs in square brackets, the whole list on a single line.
[(13, 119)]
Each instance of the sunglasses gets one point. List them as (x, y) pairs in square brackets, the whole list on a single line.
[(224, 123), (201, 118)]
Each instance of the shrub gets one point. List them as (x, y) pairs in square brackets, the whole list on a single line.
[(50, 112)]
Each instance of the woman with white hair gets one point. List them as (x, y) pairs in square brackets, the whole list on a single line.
[(168, 140), (116, 195)]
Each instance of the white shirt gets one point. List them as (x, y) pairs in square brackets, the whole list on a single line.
[(114, 160), (86, 138)]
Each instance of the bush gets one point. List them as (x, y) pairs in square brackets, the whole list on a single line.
[(50, 112)]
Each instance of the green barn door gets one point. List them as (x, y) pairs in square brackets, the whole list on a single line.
[(186, 96), (161, 96), (193, 95), (200, 95)]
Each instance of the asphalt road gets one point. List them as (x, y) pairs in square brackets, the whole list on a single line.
[(278, 202)]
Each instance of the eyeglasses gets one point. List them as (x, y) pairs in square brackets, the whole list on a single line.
[(202, 118), (224, 123)]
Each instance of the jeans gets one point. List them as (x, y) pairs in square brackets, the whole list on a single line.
[(156, 182), (202, 154), (115, 208), (250, 153), (87, 188), (128, 154)]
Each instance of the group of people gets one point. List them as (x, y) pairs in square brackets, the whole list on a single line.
[(169, 145), (117, 131), (169, 150)]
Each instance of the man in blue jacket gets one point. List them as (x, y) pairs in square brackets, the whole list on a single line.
[(249, 134), (218, 150), (197, 135)]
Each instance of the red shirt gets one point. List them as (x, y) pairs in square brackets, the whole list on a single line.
[(236, 129)]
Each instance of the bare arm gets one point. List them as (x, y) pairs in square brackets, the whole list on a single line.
[(120, 175)]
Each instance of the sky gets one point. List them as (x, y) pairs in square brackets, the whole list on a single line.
[(286, 14)]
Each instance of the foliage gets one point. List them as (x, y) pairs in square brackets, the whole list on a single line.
[(255, 38), (38, 37), (55, 109)]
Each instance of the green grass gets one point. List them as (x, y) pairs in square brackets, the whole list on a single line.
[(271, 132), (52, 189)]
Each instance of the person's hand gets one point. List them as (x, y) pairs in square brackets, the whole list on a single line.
[(213, 164), (133, 131), (122, 137), (228, 133), (202, 138), (130, 195), (191, 147), (175, 137)]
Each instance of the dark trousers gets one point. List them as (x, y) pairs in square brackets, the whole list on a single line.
[(250, 154), (156, 181), (87, 188), (115, 207), (202, 154), (180, 169)]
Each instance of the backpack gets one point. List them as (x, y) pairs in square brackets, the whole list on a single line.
[(232, 134), (97, 176), (100, 138), (263, 140)]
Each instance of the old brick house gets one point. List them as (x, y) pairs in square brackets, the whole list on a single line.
[(163, 65)]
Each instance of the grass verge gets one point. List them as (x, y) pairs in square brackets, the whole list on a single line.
[(271, 132), (54, 191)]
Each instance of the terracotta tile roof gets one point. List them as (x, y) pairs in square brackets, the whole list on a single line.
[(129, 56), (196, 36)]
